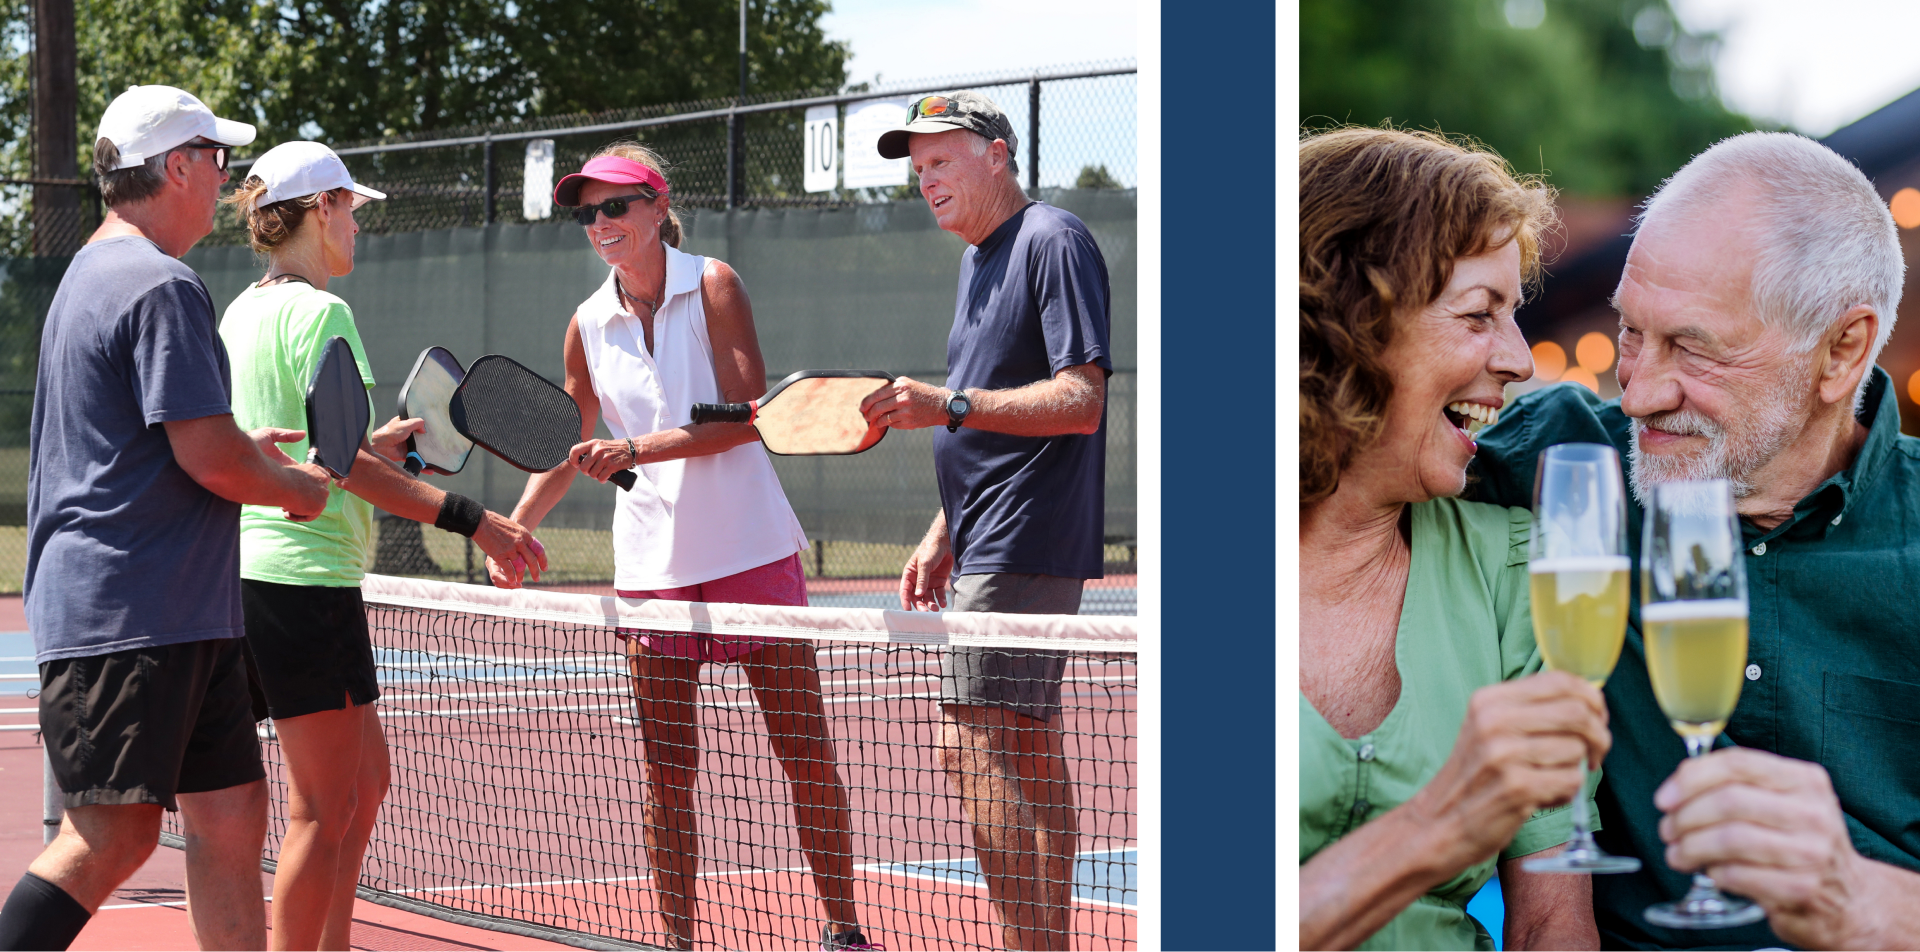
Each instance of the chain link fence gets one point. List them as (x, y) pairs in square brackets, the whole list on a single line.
[(840, 277)]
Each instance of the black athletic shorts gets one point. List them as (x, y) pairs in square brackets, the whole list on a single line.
[(142, 725), (1025, 681), (307, 649)]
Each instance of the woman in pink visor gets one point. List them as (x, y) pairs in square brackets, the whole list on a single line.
[(706, 521)]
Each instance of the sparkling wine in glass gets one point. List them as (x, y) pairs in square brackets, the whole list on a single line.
[(1579, 568), (1693, 609)]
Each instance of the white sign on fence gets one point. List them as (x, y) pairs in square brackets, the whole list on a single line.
[(865, 122), (536, 195), (823, 148)]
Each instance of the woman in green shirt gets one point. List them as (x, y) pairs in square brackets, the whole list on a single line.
[(1425, 751), (309, 654)]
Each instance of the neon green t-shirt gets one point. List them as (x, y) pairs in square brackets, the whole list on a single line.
[(274, 337)]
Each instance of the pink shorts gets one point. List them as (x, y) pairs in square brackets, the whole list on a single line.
[(775, 583)]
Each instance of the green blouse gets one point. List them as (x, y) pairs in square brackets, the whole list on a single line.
[(1465, 624)]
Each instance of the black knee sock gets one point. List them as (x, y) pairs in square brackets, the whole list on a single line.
[(40, 915)]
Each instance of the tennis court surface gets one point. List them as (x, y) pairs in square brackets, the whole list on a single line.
[(519, 774)]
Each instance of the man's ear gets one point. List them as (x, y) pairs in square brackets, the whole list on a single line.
[(177, 165), (1847, 350)]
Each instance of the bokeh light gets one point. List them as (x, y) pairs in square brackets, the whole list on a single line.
[(1549, 360), (1595, 353), (1913, 387), (1583, 377), (1906, 207)]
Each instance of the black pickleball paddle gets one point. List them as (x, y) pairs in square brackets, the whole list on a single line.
[(811, 413), (519, 416), (337, 410), (427, 395)]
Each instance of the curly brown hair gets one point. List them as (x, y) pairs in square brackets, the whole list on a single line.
[(1384, 214)]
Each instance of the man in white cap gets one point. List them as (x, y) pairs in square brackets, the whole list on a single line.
[(133, 546), (1022, 473)]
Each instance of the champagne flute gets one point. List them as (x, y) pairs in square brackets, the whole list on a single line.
[(1693, 606), (1579, 568)]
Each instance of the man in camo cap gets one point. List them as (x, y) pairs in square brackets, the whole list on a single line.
[(1022, 473)]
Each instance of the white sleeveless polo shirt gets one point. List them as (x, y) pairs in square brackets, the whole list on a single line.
[(686, 521)]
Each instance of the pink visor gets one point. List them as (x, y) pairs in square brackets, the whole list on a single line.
[(607, 168)]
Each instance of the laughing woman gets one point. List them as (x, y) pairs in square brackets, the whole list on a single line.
[(1426, 752)]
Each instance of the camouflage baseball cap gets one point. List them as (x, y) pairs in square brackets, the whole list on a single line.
[(963, 110)]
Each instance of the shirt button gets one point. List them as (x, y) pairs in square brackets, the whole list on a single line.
[(1361, 807), (1760, 549), (1366, 752), (1753, 672), (1836, 519)]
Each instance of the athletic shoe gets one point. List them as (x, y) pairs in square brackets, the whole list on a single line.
[(850, 939)]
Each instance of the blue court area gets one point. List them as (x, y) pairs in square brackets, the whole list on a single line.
[(18, 673), (1488, 907), (1103, 876)]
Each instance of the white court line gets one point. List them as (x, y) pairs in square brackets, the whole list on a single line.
[(143, 905)]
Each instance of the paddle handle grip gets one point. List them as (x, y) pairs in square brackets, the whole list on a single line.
[(723, 413), (414, 464), (623, 479)]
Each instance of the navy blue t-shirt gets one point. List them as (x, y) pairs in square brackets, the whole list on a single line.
[(1033, 301), (124, 549)]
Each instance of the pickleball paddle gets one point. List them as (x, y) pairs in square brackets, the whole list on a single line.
[(426, 395), (337, 410), (811, 413), (519, 416)]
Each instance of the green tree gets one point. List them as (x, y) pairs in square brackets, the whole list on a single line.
[(346, 71), (1095, 176), (1606, 96)]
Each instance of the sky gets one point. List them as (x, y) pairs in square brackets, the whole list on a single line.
[(896, 41), (1813, 66), (919, 39)]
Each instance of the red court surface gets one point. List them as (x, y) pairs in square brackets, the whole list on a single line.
[(517, 775)]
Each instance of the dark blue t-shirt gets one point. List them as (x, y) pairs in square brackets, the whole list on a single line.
[(124, 549), (1033, 301)]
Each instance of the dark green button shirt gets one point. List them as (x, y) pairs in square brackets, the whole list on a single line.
[(1833, 651)]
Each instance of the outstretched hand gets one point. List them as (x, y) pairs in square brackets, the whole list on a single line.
[(269, 438), (906, 404), (390, 440), (513, 554)]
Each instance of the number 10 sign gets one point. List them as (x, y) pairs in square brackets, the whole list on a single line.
[(823, 148)]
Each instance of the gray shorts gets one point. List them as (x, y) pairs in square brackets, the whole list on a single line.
[(1023, 681)]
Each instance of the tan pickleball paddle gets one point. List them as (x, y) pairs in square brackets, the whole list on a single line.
[(811, 413)]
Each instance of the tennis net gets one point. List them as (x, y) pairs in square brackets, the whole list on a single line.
[(521, 775)]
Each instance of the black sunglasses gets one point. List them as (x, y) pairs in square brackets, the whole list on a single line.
[(219, 152), (614, 207)]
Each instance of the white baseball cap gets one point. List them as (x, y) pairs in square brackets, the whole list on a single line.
[(299, 169), (146, 121)]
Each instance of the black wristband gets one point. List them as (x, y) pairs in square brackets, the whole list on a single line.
[(460, 514)]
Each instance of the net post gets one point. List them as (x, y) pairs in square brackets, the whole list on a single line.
[(1033, 134), (486, 152)]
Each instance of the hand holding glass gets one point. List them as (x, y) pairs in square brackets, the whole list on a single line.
[(1579, 568), (1693, 604)]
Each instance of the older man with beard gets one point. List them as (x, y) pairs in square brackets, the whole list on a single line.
[(1762, 283)]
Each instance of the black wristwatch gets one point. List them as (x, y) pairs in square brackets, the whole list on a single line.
[(958, 406)]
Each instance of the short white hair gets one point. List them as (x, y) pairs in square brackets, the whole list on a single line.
[(1825, 241)]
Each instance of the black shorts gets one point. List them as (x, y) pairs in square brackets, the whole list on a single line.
[(1025, 681), (142, 725), (307, 649)]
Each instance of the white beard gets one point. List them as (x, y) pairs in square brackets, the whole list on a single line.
[(1766, 429)]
